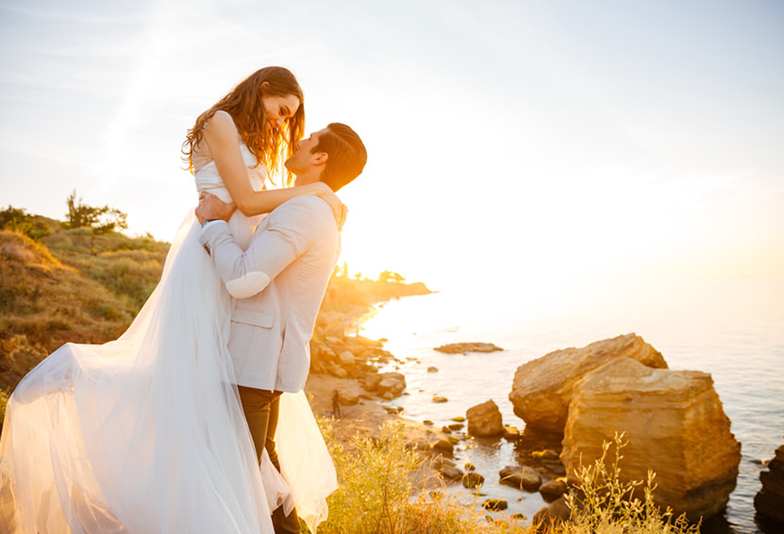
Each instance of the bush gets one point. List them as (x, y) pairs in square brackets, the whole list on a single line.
[(602, 504), (376, 494)]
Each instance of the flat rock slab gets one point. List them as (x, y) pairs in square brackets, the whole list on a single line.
[(460, 348)]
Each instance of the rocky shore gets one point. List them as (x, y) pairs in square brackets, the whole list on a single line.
[(572, 401)]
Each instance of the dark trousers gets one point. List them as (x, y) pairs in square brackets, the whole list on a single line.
[(261, 413)]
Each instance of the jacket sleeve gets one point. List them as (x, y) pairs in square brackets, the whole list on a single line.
[(290, 231)]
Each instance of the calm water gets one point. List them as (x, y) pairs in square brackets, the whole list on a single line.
[(732, 329)]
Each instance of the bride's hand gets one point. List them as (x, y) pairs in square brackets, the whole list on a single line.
[(322, 190)]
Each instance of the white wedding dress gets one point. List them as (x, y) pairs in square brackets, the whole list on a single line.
[(146, 434)]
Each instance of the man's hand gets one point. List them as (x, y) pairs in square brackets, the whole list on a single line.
[(211, 208)]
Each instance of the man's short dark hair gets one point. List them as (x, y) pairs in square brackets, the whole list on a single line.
[(347, 155)]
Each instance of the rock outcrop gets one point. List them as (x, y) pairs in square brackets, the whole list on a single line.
[(769, 502), (484, 420), (542, 388), (674, 424), (460, 348)]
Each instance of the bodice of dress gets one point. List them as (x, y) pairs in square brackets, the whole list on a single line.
[(208, 179)]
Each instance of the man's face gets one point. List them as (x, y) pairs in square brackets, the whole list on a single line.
[(302, 159)]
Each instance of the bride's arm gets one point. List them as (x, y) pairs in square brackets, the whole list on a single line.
[(223, 139)]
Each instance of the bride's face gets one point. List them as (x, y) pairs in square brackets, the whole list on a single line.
[(279, 109)]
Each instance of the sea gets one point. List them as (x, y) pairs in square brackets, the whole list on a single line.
[(730, 328)]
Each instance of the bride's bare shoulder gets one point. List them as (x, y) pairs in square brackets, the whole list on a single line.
[(221, 125)]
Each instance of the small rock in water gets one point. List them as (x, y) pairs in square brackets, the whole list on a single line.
[(510, 433), (453, 440), (457, 348), (469, 466), (446, 430), (440, 399), (495, 505), (432, 369), (427, 422), (484, 420), (455, 426), (547, 455), (459, 419), (473, 480), (520, 477)]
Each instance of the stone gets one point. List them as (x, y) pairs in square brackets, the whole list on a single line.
[(769, 501), (347, 398), (439, 399), (555, 514), (472, 480), (455, 426), (469, 466), (391, 385), (347, 360), (459, 348), (338, 372), (443, 446), (458, 419), (547, 455), (543, 388), (495, 505), (484, 420), (510, 433), (427, 422), (674, 424), (453, 440), (432, 369), (553, 489), (450, 472), (371, 382), (520, 478)]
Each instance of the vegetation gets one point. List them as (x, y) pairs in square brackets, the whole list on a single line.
[(601, 503), (376, 495), (376, 492)]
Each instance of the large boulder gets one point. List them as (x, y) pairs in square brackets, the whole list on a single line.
[(542, 388), (674, 424), (769, 502), (484, 420)]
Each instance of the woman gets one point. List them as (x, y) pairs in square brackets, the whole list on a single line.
[(145, 434)]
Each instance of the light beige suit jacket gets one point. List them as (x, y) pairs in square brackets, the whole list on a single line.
[(279, 283)]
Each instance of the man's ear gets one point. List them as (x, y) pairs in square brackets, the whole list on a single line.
[(320, 158)]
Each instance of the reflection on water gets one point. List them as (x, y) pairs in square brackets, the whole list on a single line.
[(732, 329)]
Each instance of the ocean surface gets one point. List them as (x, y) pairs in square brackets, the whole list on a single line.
[(732, 329)]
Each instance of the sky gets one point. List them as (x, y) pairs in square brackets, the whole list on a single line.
[(508, 140)]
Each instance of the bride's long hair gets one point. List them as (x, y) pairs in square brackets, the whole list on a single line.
[(270, 146)]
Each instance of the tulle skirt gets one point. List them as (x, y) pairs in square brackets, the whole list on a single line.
[(146, 434)]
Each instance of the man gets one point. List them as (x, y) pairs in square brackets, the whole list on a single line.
[(280, 282)]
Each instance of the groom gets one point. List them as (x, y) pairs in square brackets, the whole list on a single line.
[(279, 283)]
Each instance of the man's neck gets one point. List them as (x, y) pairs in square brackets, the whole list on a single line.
[(310, 176)]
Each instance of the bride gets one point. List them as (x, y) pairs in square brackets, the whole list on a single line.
[(146, 434)]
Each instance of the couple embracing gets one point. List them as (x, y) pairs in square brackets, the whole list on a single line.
[(194, 420)]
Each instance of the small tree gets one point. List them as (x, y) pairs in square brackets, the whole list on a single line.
[(99, 220)]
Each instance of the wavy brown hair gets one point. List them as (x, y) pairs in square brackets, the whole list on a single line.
[(270, 146)]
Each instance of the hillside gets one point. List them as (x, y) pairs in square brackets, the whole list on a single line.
[(71, 285)]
